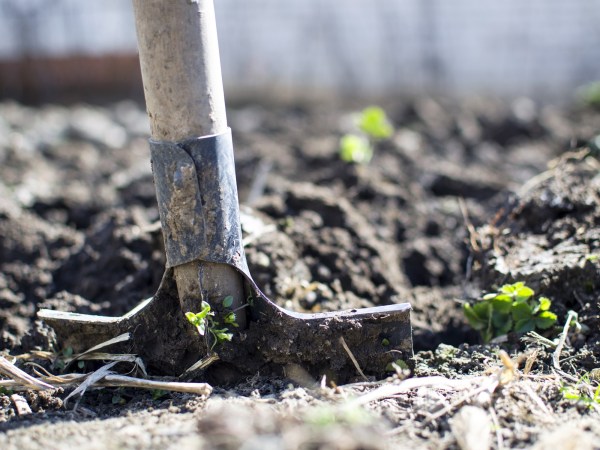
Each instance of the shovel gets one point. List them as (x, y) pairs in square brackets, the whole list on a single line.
[(236, 330)]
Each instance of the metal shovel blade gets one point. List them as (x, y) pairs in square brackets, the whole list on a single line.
[(275, 338)]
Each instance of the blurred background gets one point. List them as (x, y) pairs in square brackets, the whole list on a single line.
[(63, 50)]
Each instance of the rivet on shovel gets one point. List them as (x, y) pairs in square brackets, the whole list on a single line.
[(199, 212)]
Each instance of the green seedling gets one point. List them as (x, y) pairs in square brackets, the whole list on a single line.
[(60, 362), (589, 94), (372, 125), (204, 322), (346, 414), (355, 149), (157, 394), (513, 308), (397, 366), (201, 319), (6, 391), (582, 392), (118, 400), (228, 301)]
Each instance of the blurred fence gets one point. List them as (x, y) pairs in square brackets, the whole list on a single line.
[(540, 48)]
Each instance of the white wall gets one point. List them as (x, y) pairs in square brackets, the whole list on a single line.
[(61, 27), (506, 47)]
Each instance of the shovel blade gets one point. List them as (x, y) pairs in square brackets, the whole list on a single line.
[(337, 344)]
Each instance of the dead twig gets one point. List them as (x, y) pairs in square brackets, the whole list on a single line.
[(536, 399), (114, 380), (116, 357), (504, 375), (14, 373), (537, 338), (571, 315), (175, 386), (352, 358), (438, 382), (497, 429), (120, 338), (90, 380), (474, 237), (203, 363), (531, 358)]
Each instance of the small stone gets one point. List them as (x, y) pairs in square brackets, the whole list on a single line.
[(21, 405), (472, 428)]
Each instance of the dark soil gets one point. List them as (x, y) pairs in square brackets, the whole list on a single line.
[(79, 232)]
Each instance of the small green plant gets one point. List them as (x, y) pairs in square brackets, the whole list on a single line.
[(6, 391), (373, 125), (396, 366), (583, 391), (204, 322), (355, 149), (346, 413), (62, 358), (589, 94), (157, 394), (118, 398), (513, 308)]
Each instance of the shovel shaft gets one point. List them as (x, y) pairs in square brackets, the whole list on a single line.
[(181, 69), (181, 72)]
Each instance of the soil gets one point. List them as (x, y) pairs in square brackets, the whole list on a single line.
[(466, 196)]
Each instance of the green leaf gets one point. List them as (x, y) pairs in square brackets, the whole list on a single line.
[(524, 325), (502, 323), (231, 319), (222, 335), (503, 297), (544, 303), (487, 335), (118, 400), (521, 311), (545, 320), (476, 322), (228, 301), (374, 122), (355, 149), (483, 310), (205, 311), (198, 320), (502, 303), (589, 94), (510, 288), (158, 393), (570, 393), (191, 317), (399, 363), (523, 293), (490, 296)]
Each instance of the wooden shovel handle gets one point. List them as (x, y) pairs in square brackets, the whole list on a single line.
[(181, 69)]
